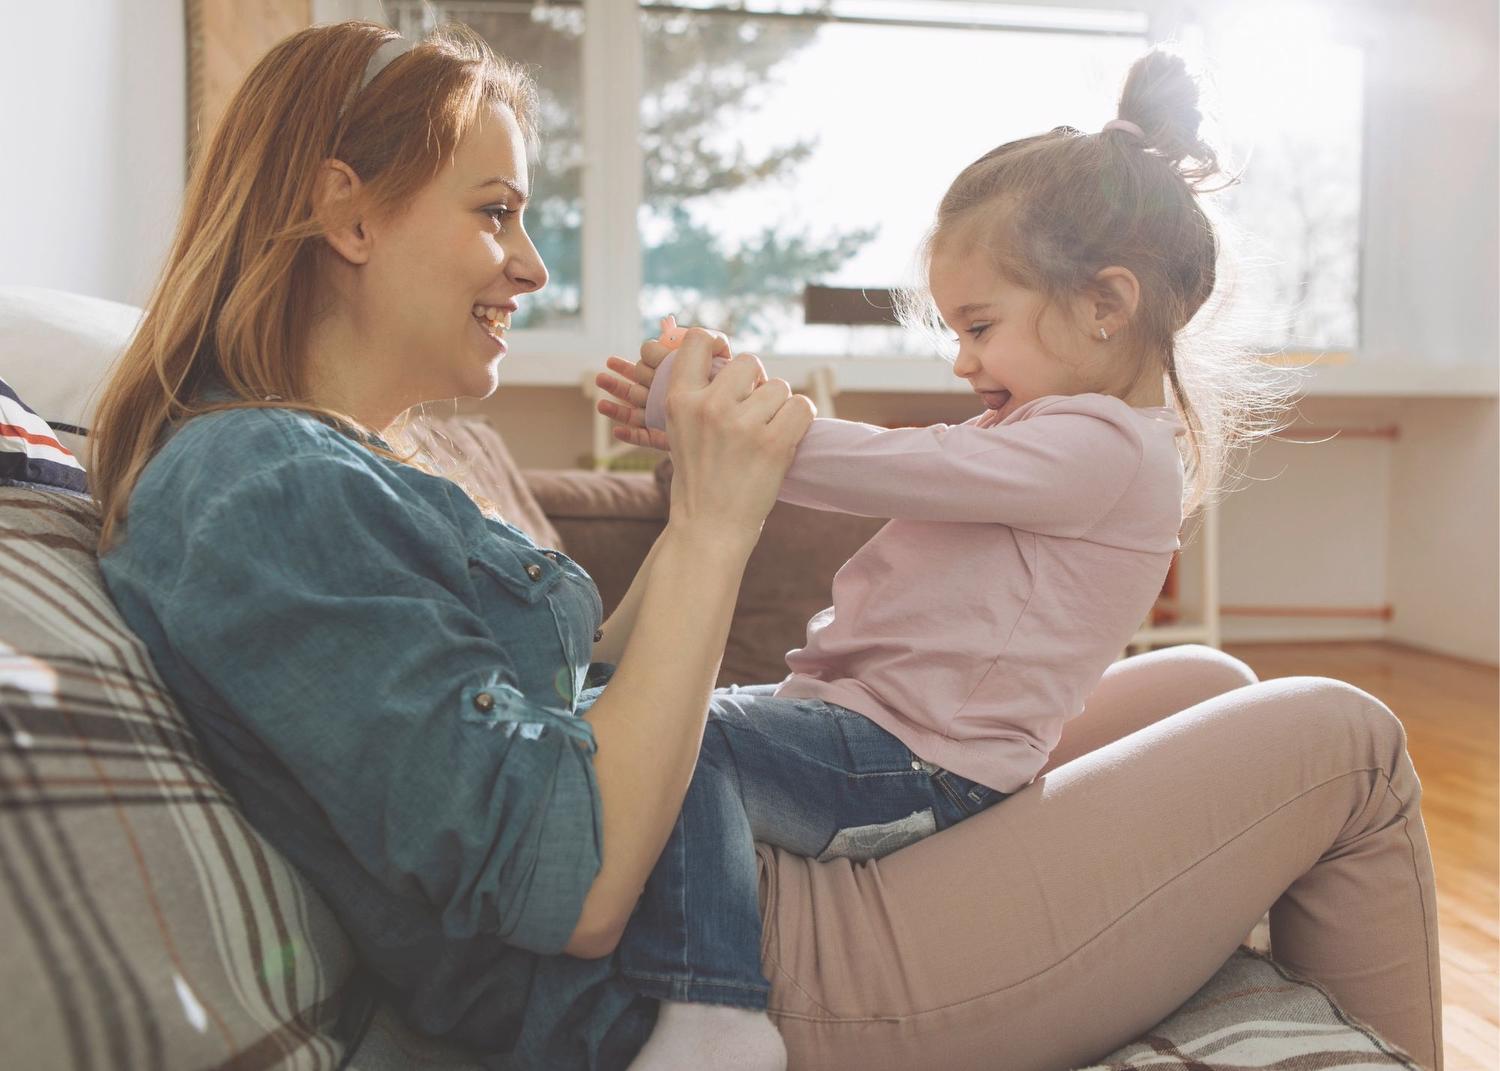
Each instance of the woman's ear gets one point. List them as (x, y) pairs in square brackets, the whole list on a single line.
[(1110, 303), (334, 204)]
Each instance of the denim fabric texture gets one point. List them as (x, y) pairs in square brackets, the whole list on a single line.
[(391, 683), (800, 774)]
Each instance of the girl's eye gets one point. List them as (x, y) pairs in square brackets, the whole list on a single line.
[(976, 330), (498, 213)]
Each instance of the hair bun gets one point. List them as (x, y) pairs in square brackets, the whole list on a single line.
[(1162, 98)]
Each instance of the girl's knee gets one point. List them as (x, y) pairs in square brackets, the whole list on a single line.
[(1229, 670)]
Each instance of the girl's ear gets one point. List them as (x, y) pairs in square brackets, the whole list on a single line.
[(1110, 303), (334, 205)]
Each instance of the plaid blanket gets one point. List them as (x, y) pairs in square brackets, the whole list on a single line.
[(146, 925)]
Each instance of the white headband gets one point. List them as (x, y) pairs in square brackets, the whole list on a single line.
[(388, 50), (1125, 125), (393, 47)]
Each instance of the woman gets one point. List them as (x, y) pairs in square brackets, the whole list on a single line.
[(396, 685)]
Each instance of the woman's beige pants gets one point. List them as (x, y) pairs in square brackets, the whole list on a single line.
[(1182, 804)]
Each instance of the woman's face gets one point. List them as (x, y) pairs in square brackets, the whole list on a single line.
[(457, 250)]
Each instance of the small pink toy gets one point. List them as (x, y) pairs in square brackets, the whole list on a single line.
[(656, 399), (671, 335)]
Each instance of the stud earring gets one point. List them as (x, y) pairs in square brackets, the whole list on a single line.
[(1102, 336)]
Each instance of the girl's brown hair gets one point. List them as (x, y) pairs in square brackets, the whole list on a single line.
[(1053, 210), (237, 295)]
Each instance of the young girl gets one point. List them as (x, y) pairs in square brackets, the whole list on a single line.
[(1025, 545)]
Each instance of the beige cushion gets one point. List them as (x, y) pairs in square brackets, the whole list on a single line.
[(470, 450), (57, 348)]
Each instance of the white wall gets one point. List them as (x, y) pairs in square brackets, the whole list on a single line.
[(1444, 569), (1309, 527), (94, 122), (1369, 522)]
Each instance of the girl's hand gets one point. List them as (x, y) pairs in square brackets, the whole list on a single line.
[(732, 439), (632, 381), (632, 384)]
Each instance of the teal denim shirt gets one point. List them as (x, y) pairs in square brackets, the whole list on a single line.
[(390, 683)]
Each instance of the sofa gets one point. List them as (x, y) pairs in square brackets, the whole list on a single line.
[(147, 925)]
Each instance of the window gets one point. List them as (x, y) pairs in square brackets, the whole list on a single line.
[(782, 149), (1292, 111), (714, 159)]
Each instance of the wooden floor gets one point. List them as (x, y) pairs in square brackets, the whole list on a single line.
[(1451, 710)]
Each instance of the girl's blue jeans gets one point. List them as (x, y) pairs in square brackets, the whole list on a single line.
[(800, 774)]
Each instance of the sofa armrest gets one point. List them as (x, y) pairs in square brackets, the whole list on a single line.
[(788, 579)]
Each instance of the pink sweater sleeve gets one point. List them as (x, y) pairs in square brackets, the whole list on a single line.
[(1057, 472)]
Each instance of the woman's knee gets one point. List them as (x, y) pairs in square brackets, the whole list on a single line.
[(1170, 679), (1340, 716), (1211, 664)]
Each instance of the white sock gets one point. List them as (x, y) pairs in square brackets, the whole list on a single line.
[(692, 1037)]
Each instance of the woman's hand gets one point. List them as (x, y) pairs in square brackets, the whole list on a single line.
[(632, 385), (732, 439)]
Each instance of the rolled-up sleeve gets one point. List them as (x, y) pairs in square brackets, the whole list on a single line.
[(340, 627)]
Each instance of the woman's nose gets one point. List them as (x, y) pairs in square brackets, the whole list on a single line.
[(526, 269)]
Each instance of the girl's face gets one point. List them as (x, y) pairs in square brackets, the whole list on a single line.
[(1008, 356), (434, 296)]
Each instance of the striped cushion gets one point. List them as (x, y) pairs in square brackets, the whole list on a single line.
[(30, 453), (146, 925), (1254, 1013)]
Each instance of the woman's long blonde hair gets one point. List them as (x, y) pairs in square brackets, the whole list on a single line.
[(236, 296)]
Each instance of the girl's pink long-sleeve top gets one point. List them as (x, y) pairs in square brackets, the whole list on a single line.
[(1022, 555)]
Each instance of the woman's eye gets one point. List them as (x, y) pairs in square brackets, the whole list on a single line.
[(498, 213)]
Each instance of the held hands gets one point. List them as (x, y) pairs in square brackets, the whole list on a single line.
[(732, 439), (642, 420)]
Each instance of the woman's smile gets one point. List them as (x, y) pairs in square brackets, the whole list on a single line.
[(493, 321)]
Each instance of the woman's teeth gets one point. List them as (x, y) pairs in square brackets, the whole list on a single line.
[(494, 320)]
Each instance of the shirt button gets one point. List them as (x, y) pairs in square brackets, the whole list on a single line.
[(484, 702), (534, 571), (916, 764), (598, 634), (550, 554)]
